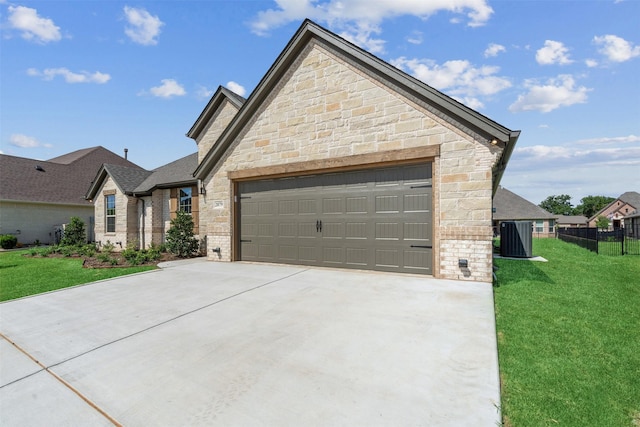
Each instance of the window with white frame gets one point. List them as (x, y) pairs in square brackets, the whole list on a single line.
[(185, 200), (110, 213), (539, 226), (551, 225)]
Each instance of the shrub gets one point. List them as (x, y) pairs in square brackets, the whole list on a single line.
[(68, 251), (45, 252), (180, 238), (87, 250), (108, 247), (103, 257), (74, 233), (130, 252), (7, 241)]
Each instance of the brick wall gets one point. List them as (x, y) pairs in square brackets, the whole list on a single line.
[(326, 108)]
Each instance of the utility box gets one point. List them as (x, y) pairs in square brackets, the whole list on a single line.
[(516, 239)]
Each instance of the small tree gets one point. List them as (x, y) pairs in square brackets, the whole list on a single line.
[(74, 233), (602, 222), (180, 238)]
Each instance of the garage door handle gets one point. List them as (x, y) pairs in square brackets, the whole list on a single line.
[(318, 225), (421, 246)]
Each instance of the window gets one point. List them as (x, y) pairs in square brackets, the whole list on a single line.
[(185, 200), (551, 224), (539, 226), (110, 213)]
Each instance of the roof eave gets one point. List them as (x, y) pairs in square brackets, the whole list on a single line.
[(214, 103), (96, 183)]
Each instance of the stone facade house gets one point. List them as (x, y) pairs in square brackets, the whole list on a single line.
[(508, 206), (617, 210), (134, 206), (339, 159), (37, 197)]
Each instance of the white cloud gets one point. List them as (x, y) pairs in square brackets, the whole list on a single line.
[(493, 50), (359, 20), (615, 48), (32, 26), (168, 89), (143, 28), (555, 93), (24, 141), (591, 63), (69, 76), (415, 37), (458, 78), (236, 88), (203, 93), (611, 140), (553, 52)]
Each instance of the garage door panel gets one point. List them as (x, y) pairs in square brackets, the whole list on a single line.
[(333, 230), (308, 207), (418, 260), (417, 202), (387, 258), (417, 231), (334, 205), (288, 207), (387, 204), (357, 205), (333, 255), (307, 230), (377, 219), (308, 255), (387, 231), (288, 252), (288, 229), (356, 230)]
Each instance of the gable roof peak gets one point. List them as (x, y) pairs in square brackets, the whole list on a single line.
[(221, 94)]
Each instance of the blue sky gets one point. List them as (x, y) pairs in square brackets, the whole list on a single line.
[(77, 74)]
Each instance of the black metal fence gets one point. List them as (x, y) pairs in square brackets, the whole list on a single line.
[(614, 242)]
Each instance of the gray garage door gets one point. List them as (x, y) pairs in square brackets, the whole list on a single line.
[(379, 219)]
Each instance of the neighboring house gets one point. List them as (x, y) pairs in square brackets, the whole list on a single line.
[(632, 225), (571, 221), (339, 159), (617, 210), (134, 206), (509, 206), (38, 196)]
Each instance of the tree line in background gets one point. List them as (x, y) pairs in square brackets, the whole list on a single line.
[(561, 205)]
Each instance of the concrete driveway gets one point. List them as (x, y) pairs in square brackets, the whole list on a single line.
[(203, 343)]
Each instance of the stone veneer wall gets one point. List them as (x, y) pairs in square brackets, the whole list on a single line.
[(125, 209), (326, 108), (215, 127)]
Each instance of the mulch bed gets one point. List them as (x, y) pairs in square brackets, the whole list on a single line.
[(93, 262)]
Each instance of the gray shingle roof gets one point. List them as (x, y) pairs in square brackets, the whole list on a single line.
[(571, 219), (62, 180), (510, 206), (171, 174), (632, 198), (138, 181), (127, 178)]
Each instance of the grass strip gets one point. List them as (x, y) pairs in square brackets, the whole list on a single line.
[(22, 276), (569, 338)]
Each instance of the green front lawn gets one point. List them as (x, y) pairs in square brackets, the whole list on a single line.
[(26, 275), (569, 338)]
